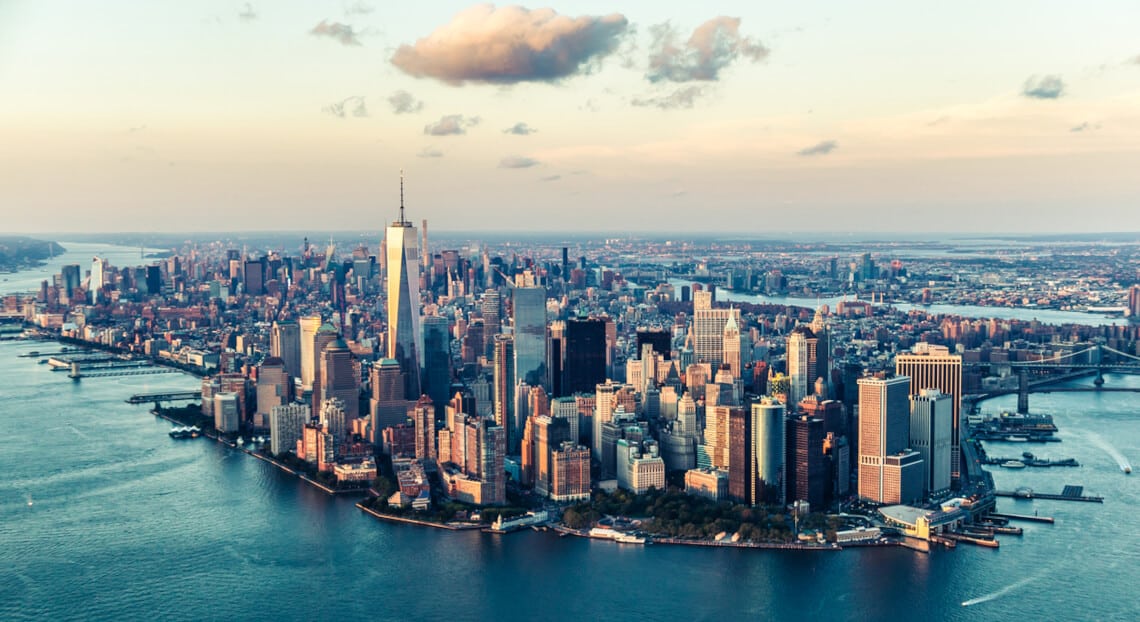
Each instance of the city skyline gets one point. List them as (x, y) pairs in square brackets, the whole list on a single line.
[(869, 119)]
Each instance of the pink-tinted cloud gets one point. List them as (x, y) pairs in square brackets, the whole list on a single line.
[(511, 44), (342, 33), (713, 46)]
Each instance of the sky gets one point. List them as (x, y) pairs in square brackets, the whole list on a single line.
[(741, 117)]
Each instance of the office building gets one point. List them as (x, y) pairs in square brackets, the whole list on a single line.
[(333, 417), (227, 414), (285, 344), (709, 329), (423, 417), (768, 434), (274, 388), (437, 361), (884, 430), (504, 384), (931, 412), (405, 340), (584, 355), (570, 473), (931, 366), (808, 472), (528, 316), (339, 376), (741, 456), (802, 359)]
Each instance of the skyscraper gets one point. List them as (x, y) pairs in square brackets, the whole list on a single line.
[(807, 469), (884, 430), (768, 435), (437, 361), (931, 412), (340, 377), (285, 343), (708, 329), (585, 355), (933, 367), (286, 423), (528, 310), (309, 362), (423, 415), (504, 373), (405, 341), (491, 308), (741, 450), (802, 372), (273, 389)]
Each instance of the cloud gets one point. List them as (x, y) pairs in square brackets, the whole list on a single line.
[(1085, 127), (247, 14), (1044, 87), (342, 33), (821, 148), (450, 125), (713, 46), (358, 8), (137, 128), (404, 103), (511, 44), (518, 162), (1135, 60), (430, 152), (550, 178), (353, 105), (520, 129), (683, 97)]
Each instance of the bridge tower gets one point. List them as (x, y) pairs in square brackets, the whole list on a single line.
[(1099, 382), (1022, 392)]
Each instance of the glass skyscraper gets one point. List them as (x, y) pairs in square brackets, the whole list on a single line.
[(405, 341)]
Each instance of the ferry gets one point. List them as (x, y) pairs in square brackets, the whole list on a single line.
[(187, 432), (629, 538), (1013, 464), (1127, 469)]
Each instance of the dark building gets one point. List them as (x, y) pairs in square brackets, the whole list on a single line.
[(584, 356), (807, 467), (661, 341), (437, 362), (153, 280), (254, 277), (741, 474)]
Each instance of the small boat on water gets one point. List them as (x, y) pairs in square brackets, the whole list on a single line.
[(1013, 464), (1127, 469)]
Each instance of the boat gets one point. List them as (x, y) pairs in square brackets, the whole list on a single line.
[(1015, 439), (1127, 469), (628, 538), (1013, 464)]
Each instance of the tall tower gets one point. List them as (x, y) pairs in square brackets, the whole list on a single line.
[(504, 374), (309, 325), (731, 347), (930, 430), (708, 329), (529, 318), (405, 341), (884, 430), (437, 361), (933, 367), (285, 343), (802, 359), (340, 377), (768, 427)]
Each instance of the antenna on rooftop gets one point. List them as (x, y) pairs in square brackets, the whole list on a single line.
[(401, 196)]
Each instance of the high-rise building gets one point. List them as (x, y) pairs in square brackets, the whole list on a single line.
[(334, 418), (339, 377), (405, 341), (741, 457), (708, 329), (310, 363), (584, 355), (806, 466), (884, 430), (274, 388), (227, 417), (768, 429), (1134, 301), (528, 311), (286, 423), (730, 350), (570, 473), (388, 406), (437, 361), (503, 378), (802, 359), (97, 280), (70, 281), (717, 433), (254, 277), (902, 477), (492, 310), (931, 366), (285, 343), (549, 434), (931, 412), (423, 415)]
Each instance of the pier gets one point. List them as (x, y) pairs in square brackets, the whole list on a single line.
[(1024, 517), (1070, 493), (178, 396)]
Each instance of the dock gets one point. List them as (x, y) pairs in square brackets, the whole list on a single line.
[(1070, 493), (1025, 517)]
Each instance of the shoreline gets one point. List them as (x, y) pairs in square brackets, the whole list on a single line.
[(301, 476), (416, 521)]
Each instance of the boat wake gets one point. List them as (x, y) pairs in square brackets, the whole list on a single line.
[(999, 593), (1100, 442)]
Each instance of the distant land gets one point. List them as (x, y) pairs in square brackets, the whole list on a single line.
[(18, 252)]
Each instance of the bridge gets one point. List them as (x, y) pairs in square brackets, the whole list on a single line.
[(178, 396), (1061, 368)]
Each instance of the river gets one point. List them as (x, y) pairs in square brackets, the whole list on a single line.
[(1045, 316), (80, 253), (125, 523)]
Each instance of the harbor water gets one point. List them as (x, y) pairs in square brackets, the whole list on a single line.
[(104, 517)]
